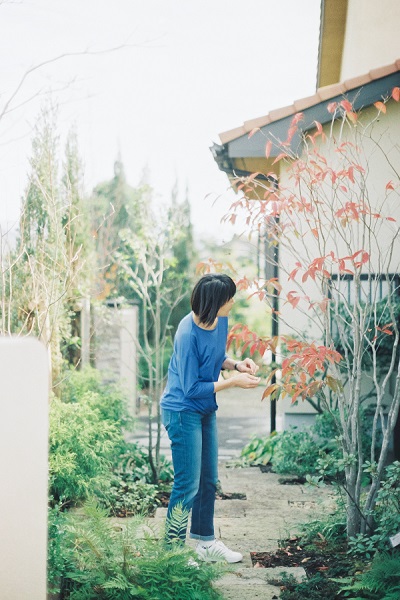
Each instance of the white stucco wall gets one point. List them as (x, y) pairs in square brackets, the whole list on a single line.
[(23, 464), (372, 36)]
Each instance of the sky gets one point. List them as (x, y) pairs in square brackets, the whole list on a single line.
[(187, 71)]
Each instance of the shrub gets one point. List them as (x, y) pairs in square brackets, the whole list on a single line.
[(296, 452), (82, 445), (125, 498), (59, 553), (88, 386), (132, 462), (259, 451), (131, 561), (387, 509)]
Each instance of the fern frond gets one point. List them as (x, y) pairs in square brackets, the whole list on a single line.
[(177, 523)]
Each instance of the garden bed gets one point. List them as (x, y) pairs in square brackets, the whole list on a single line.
[(315, 558)]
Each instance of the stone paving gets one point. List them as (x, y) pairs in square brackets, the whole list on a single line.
[(269, 513)]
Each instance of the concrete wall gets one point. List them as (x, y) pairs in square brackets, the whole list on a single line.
[(372, 36), (23, 466), (115, 352)]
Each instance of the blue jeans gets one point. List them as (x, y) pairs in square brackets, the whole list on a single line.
[(194, 444)]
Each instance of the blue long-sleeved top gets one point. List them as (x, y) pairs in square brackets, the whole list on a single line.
[(194, 366)]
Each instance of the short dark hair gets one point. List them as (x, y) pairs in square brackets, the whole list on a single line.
[(209, 294)]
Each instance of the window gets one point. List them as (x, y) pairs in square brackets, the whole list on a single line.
[(373, 288)]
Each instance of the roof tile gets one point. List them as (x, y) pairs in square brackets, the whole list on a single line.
[(232, 134), (304, 103), (383, 71), (324, 93), (281, 113), (330, 91), (258, 122), (355, 82)]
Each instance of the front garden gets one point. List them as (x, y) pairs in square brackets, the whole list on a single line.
[(101, 491), (363, 567)]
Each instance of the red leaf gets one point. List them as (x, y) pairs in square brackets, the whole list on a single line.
[(297, 117), (268, 391), (332, 107), (253, 131), (396, 94), (318, 126), (352, 116), (268, 149), (280, 156), (346, 105), (389, 185), (380, 106)]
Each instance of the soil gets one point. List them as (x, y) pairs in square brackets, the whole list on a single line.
[(163, 497), (315, 558), (230, 496)]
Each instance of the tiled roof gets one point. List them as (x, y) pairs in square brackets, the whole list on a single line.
[(322, 94)]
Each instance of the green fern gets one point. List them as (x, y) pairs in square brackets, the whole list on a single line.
[(380, 582), (175, 526), (114, 561)]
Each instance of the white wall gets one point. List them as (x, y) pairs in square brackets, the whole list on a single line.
[(372, 36), (24, 398)]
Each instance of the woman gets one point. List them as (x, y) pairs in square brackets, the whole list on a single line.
[(189, 409)]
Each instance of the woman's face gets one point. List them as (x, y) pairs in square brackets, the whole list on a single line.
[(226, 308)]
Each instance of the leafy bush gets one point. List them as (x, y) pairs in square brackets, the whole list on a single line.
[(88, 386), (331, 527), (131, 490), (82, 445), (386, 516), (296, 452), (132, 462), (315, 588), (131, 561), (125, 498), (58, 552), (387, 509), (259, 451)]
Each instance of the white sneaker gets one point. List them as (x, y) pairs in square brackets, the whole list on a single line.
[(217, 551)]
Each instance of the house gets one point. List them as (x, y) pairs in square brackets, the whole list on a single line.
[(359, 61)]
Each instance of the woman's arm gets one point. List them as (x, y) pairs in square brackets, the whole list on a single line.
[(241, 380), (243, 366)]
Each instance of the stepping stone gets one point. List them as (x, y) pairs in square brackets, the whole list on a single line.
[(247, 583)]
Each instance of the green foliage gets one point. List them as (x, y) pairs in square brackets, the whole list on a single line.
[(88, 386), (127, 498), (331, 527), (132, 464), (380, 582), (58, 551), (315, 588), (131, 489), (120, 562), (387, 509), (82, 444), (259, 451), (296, 452), (386, 517)]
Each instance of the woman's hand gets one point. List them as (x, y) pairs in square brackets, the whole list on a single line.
[(245, 381), (247, 366)]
